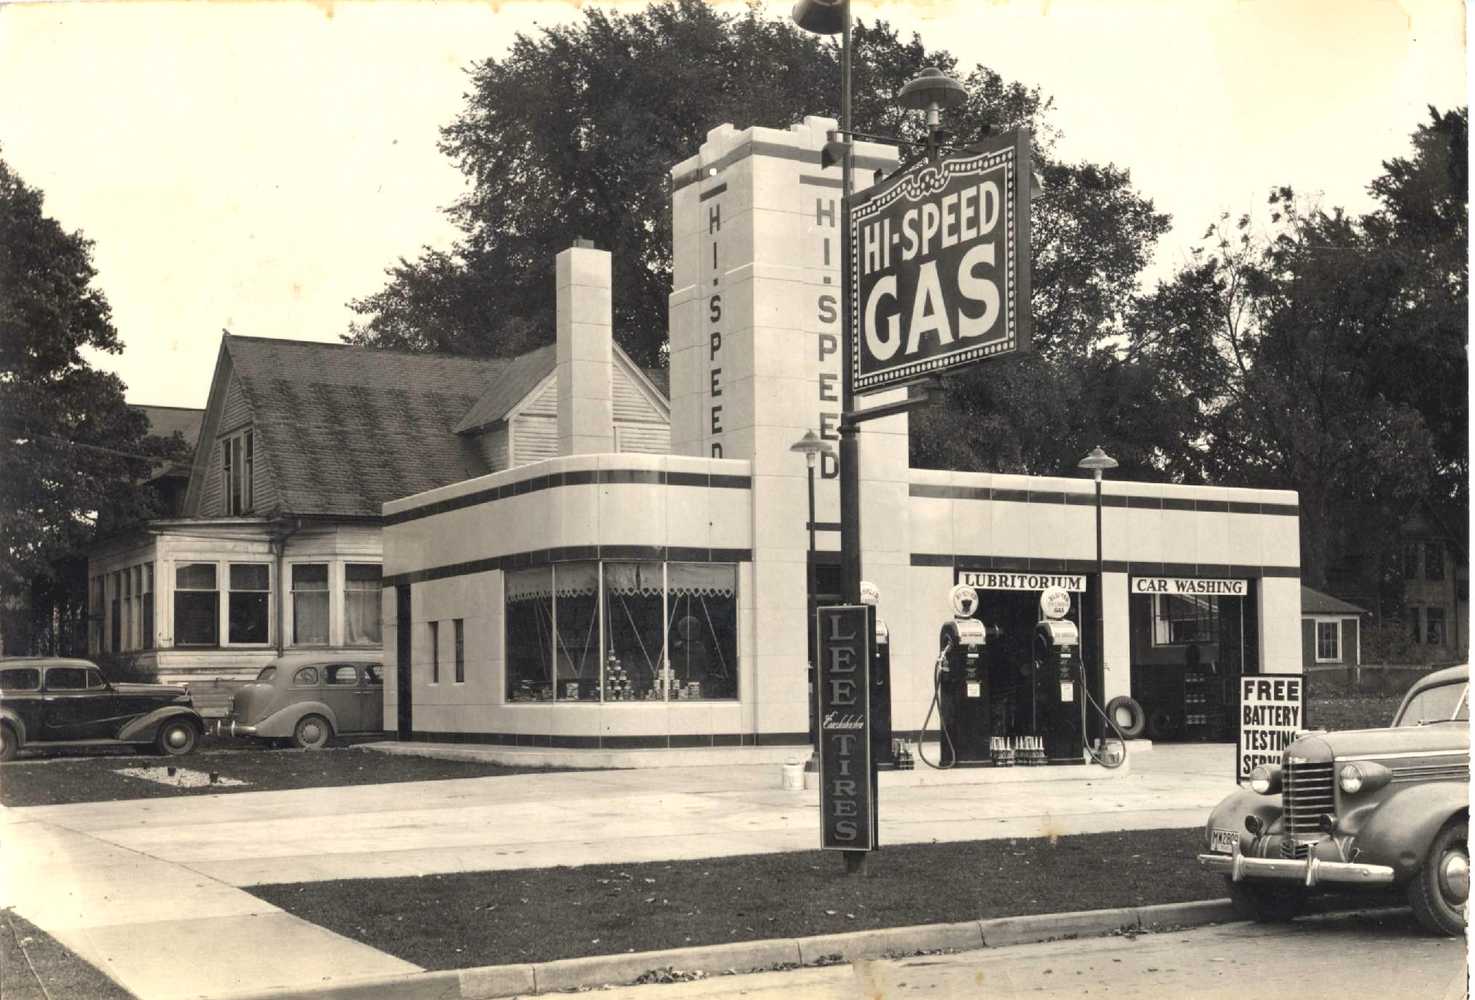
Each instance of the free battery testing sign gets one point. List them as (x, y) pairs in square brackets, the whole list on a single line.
[(1271, 712), (941, 261)]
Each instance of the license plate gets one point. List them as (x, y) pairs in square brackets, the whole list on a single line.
[(1223, 841)]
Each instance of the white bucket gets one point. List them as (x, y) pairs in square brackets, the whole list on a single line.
[(793, 775)]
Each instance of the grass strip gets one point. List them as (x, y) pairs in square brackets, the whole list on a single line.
[(61, 781), (37, 967), (537, 915)]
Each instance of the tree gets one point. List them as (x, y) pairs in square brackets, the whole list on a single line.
[(70, 448), (573, 134), (1324, 353)]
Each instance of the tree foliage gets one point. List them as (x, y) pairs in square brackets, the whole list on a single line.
[(1325, 353), (70, 448), (573, 134)]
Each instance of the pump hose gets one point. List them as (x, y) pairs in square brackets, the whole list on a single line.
[(935, 706), (1095, 757)]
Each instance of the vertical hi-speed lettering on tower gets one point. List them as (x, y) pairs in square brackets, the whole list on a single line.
[(941, 261)]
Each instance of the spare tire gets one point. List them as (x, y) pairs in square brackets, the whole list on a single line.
[(1162, 724), (1127, 716)]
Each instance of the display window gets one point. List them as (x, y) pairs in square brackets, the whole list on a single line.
[(622, 632)]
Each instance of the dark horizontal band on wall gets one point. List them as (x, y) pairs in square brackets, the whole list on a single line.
[(673, 741), (586, 477), (713, 192), (944, 492), (781, 151), (572, 553), (1017, 564)]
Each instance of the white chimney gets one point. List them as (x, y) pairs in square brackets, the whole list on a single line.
[(584, 353)]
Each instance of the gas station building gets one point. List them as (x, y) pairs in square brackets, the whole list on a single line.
[(611, 599)]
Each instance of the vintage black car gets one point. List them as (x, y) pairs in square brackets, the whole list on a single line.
[(1370, 807), (54, 702)]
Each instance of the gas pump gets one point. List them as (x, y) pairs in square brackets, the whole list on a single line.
[(881, 751), (1059, 690), (963, 704)]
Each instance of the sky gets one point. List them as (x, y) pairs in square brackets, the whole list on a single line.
[(254, 166)]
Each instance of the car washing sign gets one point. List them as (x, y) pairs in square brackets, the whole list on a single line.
[(940, 255), (1271, 712)]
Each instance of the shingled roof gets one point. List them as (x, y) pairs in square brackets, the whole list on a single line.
[(1314, 602), (166, 421), (518, 378), (342, 429)]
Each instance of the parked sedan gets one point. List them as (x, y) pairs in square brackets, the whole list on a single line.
[(1369, 807), (308, 699), (55, 702)]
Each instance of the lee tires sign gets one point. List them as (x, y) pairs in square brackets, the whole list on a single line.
[(847, 797), (940, 258)]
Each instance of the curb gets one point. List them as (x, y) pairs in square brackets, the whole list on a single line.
[(493, 981)]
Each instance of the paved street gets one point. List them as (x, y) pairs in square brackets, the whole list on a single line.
[(1343, 957)]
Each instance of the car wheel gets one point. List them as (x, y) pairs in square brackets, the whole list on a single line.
[(312, 733), (9, 744), (1440, 890), (176, 738), (1265, 904)]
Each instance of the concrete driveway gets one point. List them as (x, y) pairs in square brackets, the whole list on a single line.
[(146, 889)]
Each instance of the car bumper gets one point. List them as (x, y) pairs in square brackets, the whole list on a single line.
[(1310, 871)]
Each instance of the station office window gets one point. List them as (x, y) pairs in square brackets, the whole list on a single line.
[(622, 631), (310, 604), (250, 603), (362, 605), (196, 605), (1183, 619), (434, 652), (1328, 642), (459, 625)]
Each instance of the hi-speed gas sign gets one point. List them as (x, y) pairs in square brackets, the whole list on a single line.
[(940, 256)]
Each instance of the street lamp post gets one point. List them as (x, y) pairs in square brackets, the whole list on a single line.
[(811, 447), (1098, 461)]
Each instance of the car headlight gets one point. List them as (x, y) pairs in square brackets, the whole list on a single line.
[(1265, 779), (1364, 776)]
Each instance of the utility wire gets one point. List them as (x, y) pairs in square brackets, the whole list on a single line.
[(93, 447)]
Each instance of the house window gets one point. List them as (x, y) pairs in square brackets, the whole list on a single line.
[(196, 605), (434, 652), (1184, 619), (1414, 632), (310, 604), (238, 465), (362, 604), (95, 609), (250, 603), (148, 606), (127, 579), (1411, 561), (1433, 561), (460, 628), (1328, 642), (117, 606), (1434, 626)]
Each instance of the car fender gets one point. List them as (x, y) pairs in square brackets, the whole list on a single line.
[(14, 720), (1400, 831), (144, 728), (281, 723), (1231, 812)]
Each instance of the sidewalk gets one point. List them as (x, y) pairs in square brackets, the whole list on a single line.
[(146, 889)]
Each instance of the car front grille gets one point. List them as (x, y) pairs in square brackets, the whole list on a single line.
[(1307, 795)]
